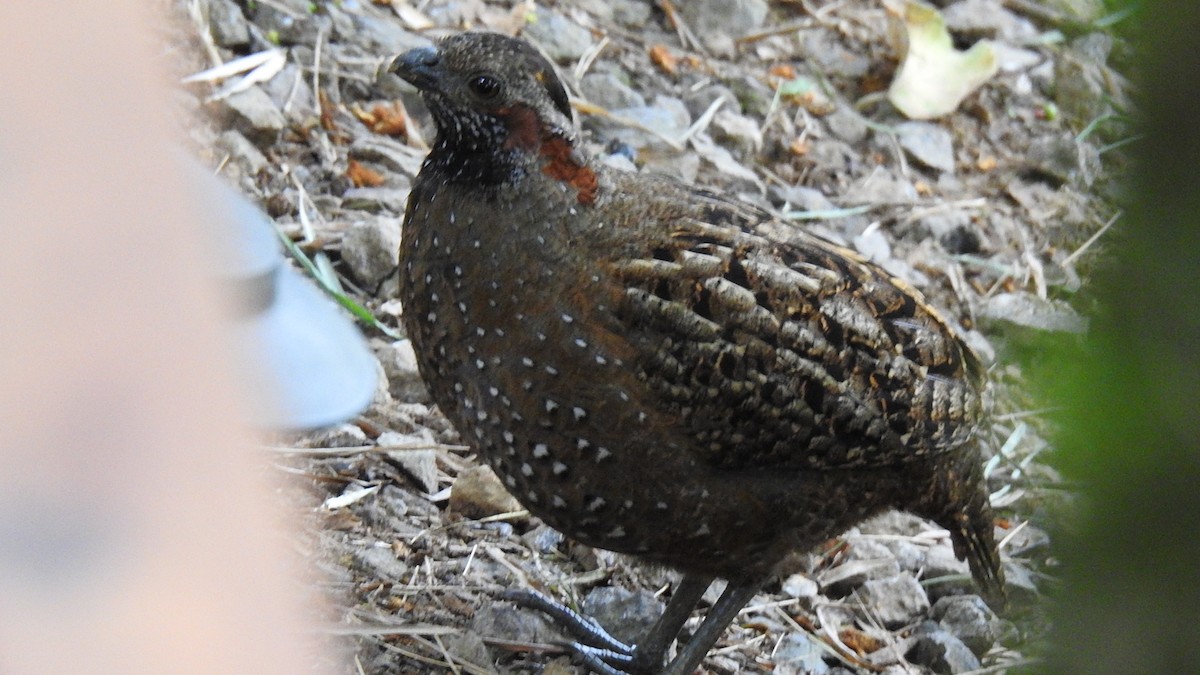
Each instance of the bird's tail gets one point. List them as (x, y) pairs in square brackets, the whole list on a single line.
[(974, 540), (959, 502)]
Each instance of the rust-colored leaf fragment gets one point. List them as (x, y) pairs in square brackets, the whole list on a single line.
[(327, 110), (860, 642), (363, 176), (387, 119), (805, 623), (799, 147), (783, 71), (664, 59)]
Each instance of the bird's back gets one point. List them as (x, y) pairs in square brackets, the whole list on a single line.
[(784, 352)]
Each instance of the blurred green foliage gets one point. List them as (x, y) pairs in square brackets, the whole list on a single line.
[(1131, 430)]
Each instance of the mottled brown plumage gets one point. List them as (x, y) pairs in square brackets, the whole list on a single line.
[(659, 370)]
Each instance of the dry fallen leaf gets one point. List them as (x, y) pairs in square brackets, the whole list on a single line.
[(934, 76), (859, 641), (411, 17), (363, 176), (663, 58), (352, 494), (258, 67), (327, 110), (783, 71), (389, 120)]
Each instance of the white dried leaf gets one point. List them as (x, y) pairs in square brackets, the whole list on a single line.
[(935, 77), (352, 494), (411, 17), (262, 73), (236, 66)]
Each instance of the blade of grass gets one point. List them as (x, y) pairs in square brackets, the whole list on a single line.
[(361, 313), (828, 214)]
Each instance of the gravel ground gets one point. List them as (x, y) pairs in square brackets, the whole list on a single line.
[(991, 211)]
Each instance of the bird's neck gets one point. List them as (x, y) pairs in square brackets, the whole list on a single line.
[(551, 150), (505, 147), (473, 160)]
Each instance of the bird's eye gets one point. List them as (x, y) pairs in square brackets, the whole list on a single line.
[(485, 86)]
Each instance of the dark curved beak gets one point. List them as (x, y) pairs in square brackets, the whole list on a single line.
[(420, 67)]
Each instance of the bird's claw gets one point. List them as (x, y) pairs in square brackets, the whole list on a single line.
[(599, 650)]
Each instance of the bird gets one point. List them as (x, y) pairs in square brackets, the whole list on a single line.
[(657, 369)]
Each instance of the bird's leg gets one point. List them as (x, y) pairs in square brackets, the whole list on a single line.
[(648, 653), (731, 602), (605, 654)]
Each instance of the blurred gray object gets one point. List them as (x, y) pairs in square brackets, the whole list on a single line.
[(298, 357)]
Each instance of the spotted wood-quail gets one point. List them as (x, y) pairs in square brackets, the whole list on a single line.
[(655, 369)]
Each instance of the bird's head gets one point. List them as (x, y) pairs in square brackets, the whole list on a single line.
[(496, 101)]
